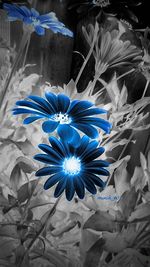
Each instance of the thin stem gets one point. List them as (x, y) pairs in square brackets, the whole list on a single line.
[(24, 41), (88, 56), (51, 213), (121, 154), (112, 138), (26, 51), (121, 76), (146, 86)]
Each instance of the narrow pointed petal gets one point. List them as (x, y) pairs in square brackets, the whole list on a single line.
[(53, 180), (79, 106), (89, 184), (87, 129), (96, 180), (79, 187), (57, 145), (97, 170), (70, 188), (48, 170), (60, 187), (32, 119), (49, 126), (65, 132), (63, 103), (50, 151), (46, 159)]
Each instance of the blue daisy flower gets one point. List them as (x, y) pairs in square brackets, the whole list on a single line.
[(72, 168), (63, 115), (37, 21)]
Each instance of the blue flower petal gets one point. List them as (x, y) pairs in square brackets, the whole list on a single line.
[(63, 103), (49, 126), (90, 112), (50, 151), (31, 119), (96, 180), (89, 184), (25, 11), (60, 187), (57, 145), (101, 123), (25, 103), (46, 159), (34, 12), (39, 30), (79, 187), (80, 105), (98, 170), (98, 163), (48, 170), (89, 149), (87, 129), (75, 138), (70, 188), (94, 154), (65, 132), (53, 180), (42, 102), (52, 99), (83, 145), (17, 111)]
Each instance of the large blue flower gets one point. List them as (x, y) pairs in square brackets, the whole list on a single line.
[(64, 115), (73, 168), (37, 21)]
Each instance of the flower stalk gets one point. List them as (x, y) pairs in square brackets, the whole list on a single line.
[(25, 40)]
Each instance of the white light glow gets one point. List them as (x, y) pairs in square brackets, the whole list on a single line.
[(72, 166)]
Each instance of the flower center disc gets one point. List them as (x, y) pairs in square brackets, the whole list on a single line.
[(72, 166), (101, 3), (35, 21), (62, 118)]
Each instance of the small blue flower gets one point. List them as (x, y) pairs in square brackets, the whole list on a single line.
[(72, 168), (63, 115), (37, 21)]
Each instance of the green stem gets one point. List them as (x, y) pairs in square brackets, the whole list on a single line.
[(24, 41), (88, 55)]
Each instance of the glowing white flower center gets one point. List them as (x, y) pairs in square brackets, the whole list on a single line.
[(72, 166), (62, 118), (35, 21), (101, 3)]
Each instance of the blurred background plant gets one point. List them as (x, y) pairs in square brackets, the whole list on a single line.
[(110, 229)]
